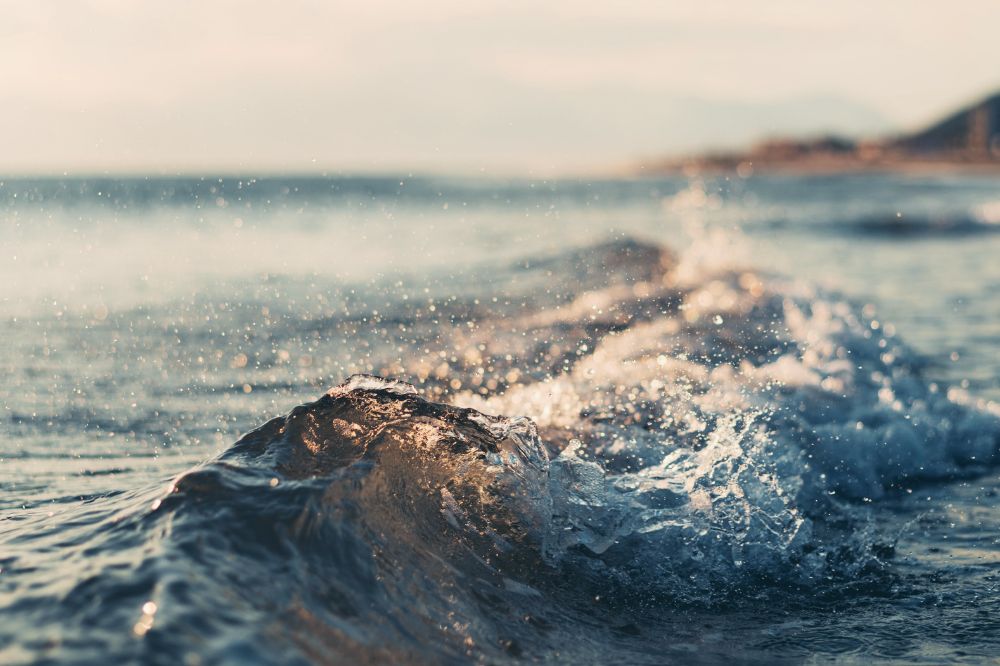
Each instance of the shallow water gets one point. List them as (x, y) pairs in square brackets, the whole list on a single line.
[(762, 420)]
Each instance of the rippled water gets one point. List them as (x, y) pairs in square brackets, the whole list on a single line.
[(641, 421)]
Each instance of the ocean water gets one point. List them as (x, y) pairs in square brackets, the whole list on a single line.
[(418, 420)]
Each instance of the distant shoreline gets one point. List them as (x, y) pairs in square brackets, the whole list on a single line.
[(967, 141), (818, 166)]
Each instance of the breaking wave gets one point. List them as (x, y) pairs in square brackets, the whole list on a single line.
[(630, 431)]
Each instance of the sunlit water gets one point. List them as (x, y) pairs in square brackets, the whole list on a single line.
[(763, 412)]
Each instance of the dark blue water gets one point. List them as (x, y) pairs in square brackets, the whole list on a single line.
[(640, 421)]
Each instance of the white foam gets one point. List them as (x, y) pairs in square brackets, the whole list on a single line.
[(718, 434)]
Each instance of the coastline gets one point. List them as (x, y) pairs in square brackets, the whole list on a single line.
[(748, 166)]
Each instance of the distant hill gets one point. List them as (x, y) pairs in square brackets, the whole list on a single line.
[(969, 137), (969, 133)]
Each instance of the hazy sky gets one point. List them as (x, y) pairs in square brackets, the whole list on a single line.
[(466, 84)]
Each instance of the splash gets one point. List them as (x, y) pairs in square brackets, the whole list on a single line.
[(626, 433)]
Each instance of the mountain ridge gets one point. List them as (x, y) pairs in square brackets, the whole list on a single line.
[(966, 138)]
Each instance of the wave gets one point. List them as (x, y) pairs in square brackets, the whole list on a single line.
[(922, 225), (629, 432), (902, 226)]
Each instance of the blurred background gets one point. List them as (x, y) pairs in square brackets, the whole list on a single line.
[(509, 88)]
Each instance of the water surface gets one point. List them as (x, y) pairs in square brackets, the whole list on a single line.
[(641, 420)]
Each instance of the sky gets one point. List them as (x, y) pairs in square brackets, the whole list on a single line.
[(466, 86)]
